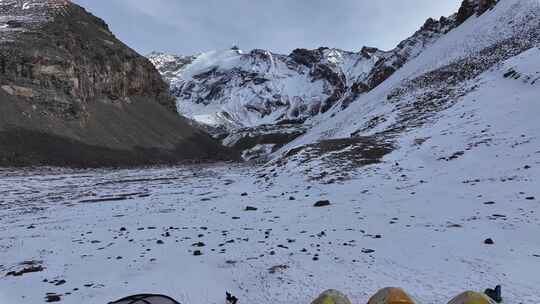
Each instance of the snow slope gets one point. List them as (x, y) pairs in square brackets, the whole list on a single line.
[(442, 72)]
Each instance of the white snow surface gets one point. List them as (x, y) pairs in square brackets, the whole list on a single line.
[(432, 212)]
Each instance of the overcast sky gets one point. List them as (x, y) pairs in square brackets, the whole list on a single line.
[(193, 26)]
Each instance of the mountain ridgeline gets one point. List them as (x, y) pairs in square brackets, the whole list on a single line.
[(262, 100), (234, 89)]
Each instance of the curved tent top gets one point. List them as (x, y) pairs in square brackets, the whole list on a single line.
[(146, 299)]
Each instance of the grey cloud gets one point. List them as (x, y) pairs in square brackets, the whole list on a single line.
[(193, 26)]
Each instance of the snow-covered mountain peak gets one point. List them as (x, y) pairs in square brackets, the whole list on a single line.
[(235, 88), (214, 60), (169, 65)]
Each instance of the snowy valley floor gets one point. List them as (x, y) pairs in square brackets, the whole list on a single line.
[(463, 168), (100, 235)]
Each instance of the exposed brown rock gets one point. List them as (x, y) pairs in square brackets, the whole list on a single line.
[(71, 93)]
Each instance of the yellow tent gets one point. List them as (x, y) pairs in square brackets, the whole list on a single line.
[(471, 297), (391, 295), (332, 297)]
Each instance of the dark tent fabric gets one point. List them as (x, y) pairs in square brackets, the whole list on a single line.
[(146, 299)]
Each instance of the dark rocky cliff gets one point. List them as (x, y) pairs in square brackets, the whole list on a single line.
[(71, 93)]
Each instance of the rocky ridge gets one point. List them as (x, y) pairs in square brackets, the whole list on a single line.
[(73, 94)]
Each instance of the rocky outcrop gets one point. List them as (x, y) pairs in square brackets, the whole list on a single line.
[(257, 142), (73, 57), (470, 8), (73, 94), (408, 49)]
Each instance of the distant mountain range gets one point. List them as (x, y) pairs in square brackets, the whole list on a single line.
[(234, 89), (267, 99)]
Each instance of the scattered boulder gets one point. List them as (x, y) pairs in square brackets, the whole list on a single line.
[(251, 208), (197, 253), (29, 269), (495, 294), (470, 8), (52, 297), (489, 242), (332, 297), (391, 295), (231, 299), (278, 268), (322, 203)]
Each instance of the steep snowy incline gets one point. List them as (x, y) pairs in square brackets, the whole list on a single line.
[(490, 124), (438, 77)]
